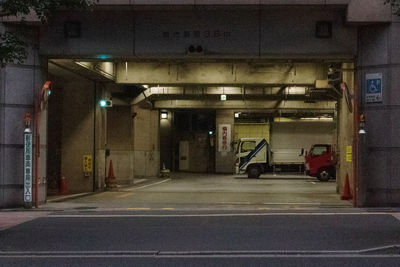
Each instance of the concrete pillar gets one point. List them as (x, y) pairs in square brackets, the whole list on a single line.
[(100, 141), (146, 149), (18, 83), (166, 141), (119, 130), (77, 133), (345, 131), (224, 156), (379, 53)]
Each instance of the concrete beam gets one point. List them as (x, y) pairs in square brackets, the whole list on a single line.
[(220, 2), (240, 104), (368, 11), (219, 73)]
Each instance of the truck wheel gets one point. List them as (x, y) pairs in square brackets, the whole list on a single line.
[(324, 175), (253, 172)]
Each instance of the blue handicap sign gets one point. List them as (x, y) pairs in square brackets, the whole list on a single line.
[(374, 86)]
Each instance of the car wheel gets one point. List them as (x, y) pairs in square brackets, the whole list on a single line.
[(324, 175), (253, 172)]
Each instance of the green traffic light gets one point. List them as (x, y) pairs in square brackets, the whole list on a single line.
[(103, 103)]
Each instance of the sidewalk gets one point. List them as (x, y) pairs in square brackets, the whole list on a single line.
[(9, 219)]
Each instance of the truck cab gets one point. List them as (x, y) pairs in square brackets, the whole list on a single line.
[(320, 162), (252, 156)]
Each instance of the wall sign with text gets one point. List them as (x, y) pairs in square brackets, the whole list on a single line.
[(373, 90), (224, 137)]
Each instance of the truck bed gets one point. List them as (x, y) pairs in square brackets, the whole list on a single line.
[(287, 156)]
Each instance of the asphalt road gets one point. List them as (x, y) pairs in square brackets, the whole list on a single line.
[(203, 239)]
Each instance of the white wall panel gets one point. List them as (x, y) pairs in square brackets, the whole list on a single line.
[(298, 135)]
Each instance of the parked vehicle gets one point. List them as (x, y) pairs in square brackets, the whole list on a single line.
[(321, 162), (254, 157)]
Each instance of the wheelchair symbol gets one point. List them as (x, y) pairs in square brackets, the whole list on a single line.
[(374, 86)]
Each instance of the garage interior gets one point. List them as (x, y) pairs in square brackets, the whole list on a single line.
[(165, 115)]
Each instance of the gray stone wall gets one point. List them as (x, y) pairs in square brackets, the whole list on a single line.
[(240, 33), (18, 83), (379, 163)]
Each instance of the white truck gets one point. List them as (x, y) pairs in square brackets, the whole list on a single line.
[(254, 156)]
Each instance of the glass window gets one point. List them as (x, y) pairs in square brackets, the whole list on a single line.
[(248, 146), (319, 150)]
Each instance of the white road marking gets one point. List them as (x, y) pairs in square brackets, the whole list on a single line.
[(136, 188), (201, 256), (371, 252), (294, 203), (138, 209), (214, 215), (236, 203), (312, 208)]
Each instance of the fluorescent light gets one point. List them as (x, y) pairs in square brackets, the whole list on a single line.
[(164, 115), (223, 97), (295, 90), (317, 119)]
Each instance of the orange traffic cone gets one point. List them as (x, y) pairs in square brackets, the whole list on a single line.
[(346, 190), (111, 172), (110, 180)]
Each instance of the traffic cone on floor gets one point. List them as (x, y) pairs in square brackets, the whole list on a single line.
[(110, 181), (111, 171), (346, 190)]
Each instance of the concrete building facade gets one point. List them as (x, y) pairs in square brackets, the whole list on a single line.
[(178, 58)]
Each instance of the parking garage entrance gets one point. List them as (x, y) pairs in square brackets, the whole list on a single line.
[(190, 118)]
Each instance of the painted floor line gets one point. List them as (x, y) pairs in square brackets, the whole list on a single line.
[(294, 203), (124, 195), (215, 215), (144, 186), (235, 203)]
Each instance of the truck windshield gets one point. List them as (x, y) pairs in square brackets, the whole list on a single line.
[(247, 146), (319, 150)]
